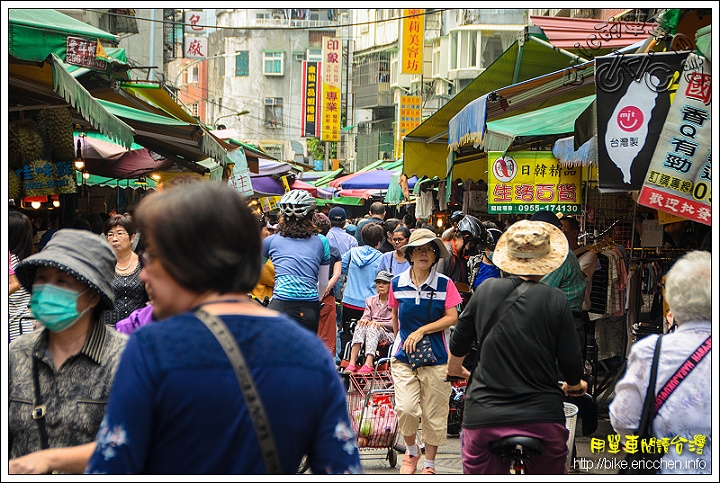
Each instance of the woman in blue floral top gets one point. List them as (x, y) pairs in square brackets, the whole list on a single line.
[(176, 406)]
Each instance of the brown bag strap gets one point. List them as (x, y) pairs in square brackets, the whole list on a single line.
[(247, 385)]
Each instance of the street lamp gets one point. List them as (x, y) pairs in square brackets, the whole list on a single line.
[(235, 114)]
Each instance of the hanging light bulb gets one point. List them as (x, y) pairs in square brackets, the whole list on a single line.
[(36, 205), (79, 158), (56, 203), (86, 175)]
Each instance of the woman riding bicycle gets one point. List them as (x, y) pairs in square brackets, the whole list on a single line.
[(514, 391)]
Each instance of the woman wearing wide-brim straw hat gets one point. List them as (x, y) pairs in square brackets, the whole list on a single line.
[(424, 304), (73, 358), (513, 391)]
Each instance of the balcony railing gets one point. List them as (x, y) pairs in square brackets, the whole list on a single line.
[(283, 22)]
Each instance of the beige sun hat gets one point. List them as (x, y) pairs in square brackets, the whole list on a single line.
[(530, 248), (423, 236)]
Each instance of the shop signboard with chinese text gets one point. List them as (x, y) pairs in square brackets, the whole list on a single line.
[(195, 21), (331, 81), (195, 47), (413, 41), (523, 182), (84, 53), (633, 99), (679, 178), (42, 178), (310, 97), (410, 117), (240, 177)]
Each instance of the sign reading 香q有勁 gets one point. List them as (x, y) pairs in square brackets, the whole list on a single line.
[(678, 180), (530, 181)]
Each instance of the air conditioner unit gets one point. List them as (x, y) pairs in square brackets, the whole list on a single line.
[(269, 101), (299, 56)]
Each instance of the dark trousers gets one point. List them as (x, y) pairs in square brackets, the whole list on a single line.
[(306, 312)]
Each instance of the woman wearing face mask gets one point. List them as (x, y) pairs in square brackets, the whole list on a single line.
[(60, 376)]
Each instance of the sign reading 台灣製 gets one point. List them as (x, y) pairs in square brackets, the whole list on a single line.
[(633, 98), (530, 181), (678, 180)]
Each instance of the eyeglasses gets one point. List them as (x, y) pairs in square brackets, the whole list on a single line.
[(424, 249), (117, 234), (399, 239)]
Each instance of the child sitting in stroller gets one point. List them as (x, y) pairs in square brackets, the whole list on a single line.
[(373, 328)]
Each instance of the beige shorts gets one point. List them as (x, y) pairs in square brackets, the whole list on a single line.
[(422, 393)]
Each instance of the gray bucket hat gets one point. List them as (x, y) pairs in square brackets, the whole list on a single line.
[(80, 253), (384, 276)]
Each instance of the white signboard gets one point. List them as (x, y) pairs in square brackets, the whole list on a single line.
[(195, 21), (195, 48)]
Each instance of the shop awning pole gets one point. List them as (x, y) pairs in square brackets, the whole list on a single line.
[(576, 58)]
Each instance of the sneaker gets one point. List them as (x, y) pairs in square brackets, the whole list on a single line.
[(350, 369), (409, 464), (428, 471), (365, 369)]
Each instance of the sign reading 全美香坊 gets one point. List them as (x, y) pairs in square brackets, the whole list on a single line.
[(530, 181), (310, 97)]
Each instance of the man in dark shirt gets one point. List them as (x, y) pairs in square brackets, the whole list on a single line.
[(513, 391), (377, 215)]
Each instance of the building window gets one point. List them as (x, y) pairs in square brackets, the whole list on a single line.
[(273, 112), (273, 63), (194, 109), (242, 63), (193, 74)]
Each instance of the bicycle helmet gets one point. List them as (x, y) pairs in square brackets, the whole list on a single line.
[(297, 204), (470, 224), (493, 235), (457, 216)]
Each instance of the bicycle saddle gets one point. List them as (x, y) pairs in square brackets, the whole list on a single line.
[(532, 446)]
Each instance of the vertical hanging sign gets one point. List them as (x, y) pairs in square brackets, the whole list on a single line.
[(413, 40), (309, 100), (330, 106), (679, 179), (410, 117)]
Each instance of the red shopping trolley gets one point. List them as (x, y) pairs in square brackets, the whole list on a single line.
[(371, 406)]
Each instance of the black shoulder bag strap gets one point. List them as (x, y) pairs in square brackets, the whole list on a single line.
[(252, 398), (39, 410), (648, 413), (501, 308)]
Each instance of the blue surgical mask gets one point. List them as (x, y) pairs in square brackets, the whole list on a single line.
[(55, 307)]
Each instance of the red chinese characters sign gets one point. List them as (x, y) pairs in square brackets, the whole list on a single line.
[(530, 181), (413, 40), (330, 108), (83, 52), (679, 178)]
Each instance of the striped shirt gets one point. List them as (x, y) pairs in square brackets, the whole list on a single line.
[(418, 306), (21, 319), (569, 278)]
